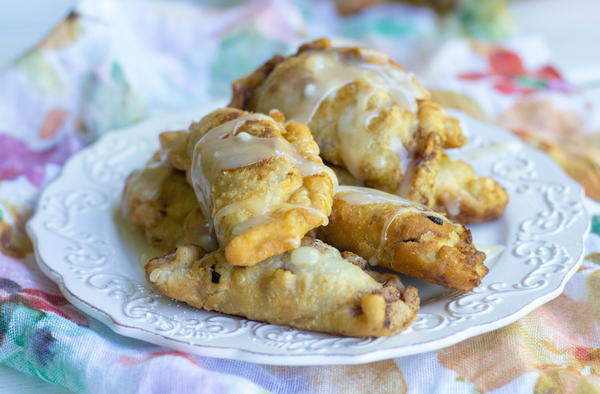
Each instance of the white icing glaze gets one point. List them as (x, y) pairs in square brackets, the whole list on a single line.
[(335, 68), (208, 242), (352, 134), (305, 255), (313, 263), (146, 182), (159, 276), (263, 213), (294, 241), (362, 195), (310, 90), (452, 206), (312, 210), (205, 236), (406, 182), (402, 153), (252, 222), (222, 149)]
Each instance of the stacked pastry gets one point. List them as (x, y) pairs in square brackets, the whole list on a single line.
[(372, 118), (258, 226)]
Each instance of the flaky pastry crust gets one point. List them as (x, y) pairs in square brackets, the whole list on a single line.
[(262, 207), (366, 124), (405, 237), (158, 199), (316, 290)]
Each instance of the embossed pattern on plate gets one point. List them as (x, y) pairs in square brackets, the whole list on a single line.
[(81, 244)]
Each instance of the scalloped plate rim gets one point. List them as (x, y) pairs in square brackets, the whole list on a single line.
[(299, 359), (294, 359)]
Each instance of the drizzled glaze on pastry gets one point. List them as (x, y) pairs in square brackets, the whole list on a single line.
[(224, 148), (337, 67), (416, 242), (357, 195), (364, 195)]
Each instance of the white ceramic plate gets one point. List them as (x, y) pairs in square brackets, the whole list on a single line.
[(95, 258)]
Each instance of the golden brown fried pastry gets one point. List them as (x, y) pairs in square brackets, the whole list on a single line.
[(173, 149), (158, 199), (259, 181), (451, 186), (368, 115), (312, 287), (406, 237), (466, 197)]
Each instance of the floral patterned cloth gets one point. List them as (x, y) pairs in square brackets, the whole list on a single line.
[(113, 63)]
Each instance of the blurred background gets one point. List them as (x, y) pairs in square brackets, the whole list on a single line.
[(81, 68)]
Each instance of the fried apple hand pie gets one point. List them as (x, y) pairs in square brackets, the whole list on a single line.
[(312, 287), (370, 116), (259, 181), (406, 237)]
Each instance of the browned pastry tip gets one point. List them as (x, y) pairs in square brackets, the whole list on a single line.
[(405, 237)]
